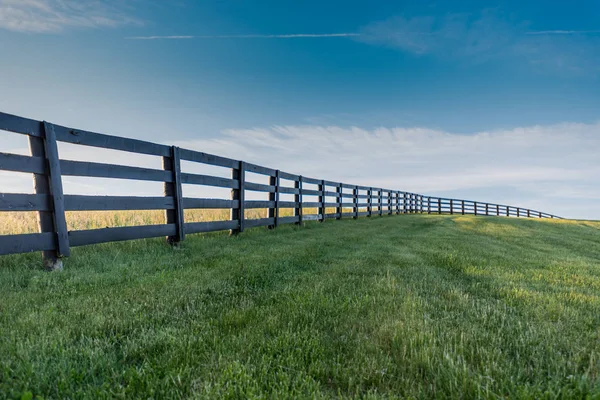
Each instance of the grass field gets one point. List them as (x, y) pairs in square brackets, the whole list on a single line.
[(405, 306)]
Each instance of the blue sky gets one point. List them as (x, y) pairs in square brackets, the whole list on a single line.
[(495, 100)]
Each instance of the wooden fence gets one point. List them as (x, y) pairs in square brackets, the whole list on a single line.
[(55, 241)]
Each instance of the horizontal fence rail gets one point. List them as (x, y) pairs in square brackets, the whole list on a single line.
[(331, 200)]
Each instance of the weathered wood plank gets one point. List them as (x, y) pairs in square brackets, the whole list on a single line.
[(211, 226), (19, 163), (308, 192), (253, 204), (288, 176), (311, 204), (258, 169), (287, 190), (113, 203), (24, 126), (99, 170), (24, 202), (252, 223), (104, 235), (259, 187), (27, 243), (209, 159), (86, 138), (189, 203), (289, 220), (207, 180), (311, 181)]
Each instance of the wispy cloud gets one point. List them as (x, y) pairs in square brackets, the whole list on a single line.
[(52, 16), (487, 36), (284, 36), (562, 32), (553, 168)]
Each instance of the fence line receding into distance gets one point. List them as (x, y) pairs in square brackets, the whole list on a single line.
[(55, 241)]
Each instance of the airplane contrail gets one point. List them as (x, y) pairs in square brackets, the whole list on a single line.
[(561, 32), (286, 36)]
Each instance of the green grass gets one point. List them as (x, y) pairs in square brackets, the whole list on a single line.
[(387, 307)]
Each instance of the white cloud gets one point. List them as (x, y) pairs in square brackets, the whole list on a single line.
[(545, 164), (488, 35), (553, 168), (51, 16)]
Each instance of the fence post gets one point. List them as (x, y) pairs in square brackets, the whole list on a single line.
[(321, 189), (429, 205), (355, 201), (497, 210), (370, 202), (528, 213), (508, 211), (440, 206), (475, 207), (51, 184), (487, 209), (540, 214), (173, 189), (380, 193), (404, 208), (298, 200), (462, 202), (274, 197), (390, 199), (451, 206), (340, 190), (238, 194)]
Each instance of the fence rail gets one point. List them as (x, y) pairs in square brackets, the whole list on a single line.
[(55, 241)]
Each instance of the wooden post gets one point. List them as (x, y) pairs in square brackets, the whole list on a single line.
[(340, 190), (528, 213), (487, 209), (321, 189), (462, 202), (390, 204), (50, 184), (440, 206), (380, 211), (429, 205), (540, 214), (238, 194), (475, 207), (370, 202), (173, 189), (274, 197), (507, 211), (451, 206), (298, 200), (397, 203), (355, 201), (518, 212), (404, 206), (497, 210)]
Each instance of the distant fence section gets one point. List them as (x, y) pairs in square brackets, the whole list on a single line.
[(333, 199)]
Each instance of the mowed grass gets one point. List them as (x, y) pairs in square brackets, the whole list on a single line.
[(412, 306)]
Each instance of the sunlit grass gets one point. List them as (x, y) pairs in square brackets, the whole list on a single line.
[(410, 306)]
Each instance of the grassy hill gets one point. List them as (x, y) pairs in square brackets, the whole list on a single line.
[(401, 306)]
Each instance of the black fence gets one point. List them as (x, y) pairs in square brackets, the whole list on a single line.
[(334, 199)]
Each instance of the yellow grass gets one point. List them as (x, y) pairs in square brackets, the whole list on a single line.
[(12, 223)]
